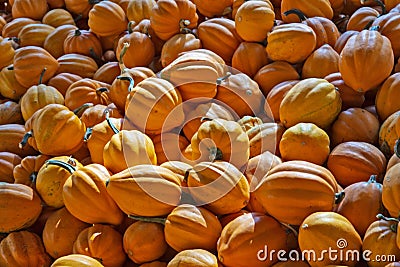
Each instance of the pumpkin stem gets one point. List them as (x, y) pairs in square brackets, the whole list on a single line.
[(42, 75), (10, 67), (127, 78), (88, 133), (148, 219), (112, 126), (93, 2), (203, 119), (382, 217), (368, 25), (372, 179), (396, 148), (215, 153), (122, 66), (227, 11), (33, 177), (296, 12), (183, 23), (379, 2), (79, 111), (65, 165), (339, 197), (25, 139), (77, 32), (130, 26), (288, 226), (374, 28), (94, 55), (101, 90), (219, 80)]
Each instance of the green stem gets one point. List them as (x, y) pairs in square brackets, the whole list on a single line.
[(79, 111), (112, 126), (33, 177), (88, 133), (101, 90), (77, 32), (382, 217), (372, 179), (124, 49), (220, 80), (215, 153), (339, 197), (130, 28), (70, 168), (148, 219), (25, 139), (93, 2), (296, 12), (42, 75), (127, 78)]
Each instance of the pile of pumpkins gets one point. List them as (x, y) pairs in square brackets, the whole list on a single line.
[(199, 133)]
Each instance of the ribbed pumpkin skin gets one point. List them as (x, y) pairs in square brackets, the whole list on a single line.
[(54, 42), (107, 18), (60, 232), (312, 236), (77, 64), (380, 238), (8, 161), (361, 203), (194, 257), (311, 100), (26, 172), (101, 242), (301, 188), (361, 52), (51, 126), (248, 234), (248, 50), (167, 16), (190, 227), (86, 197), (83, 42), (33, 10), (23, 248), (389, 27), (145, 190), (139, 10), (389, 132), (265, 137), (390, 191), (34, 34), (386, 93), (27, 73), (76, 260), (20, 206), (220, 186), (10, 136), (352, 162), (319, 8)]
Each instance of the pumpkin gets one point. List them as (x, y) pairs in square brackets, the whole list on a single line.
[(380, 239), (319, 8), (7, 163), (275, 96), (367, 48), (11, 135), (247, 122), (350, 98), (352, 162), (145, 27), (107, 72), (220, 139), (57, 17), (145, 190), (342, 40), (355, 124), (95, 114), (169, 146), (238, 3), (34, 34), (219, 35), (177, 44), (83, 42), (248, 50), (292, 42), (169, 17), (54, 42), (274, 73), (361, 204), (20, 206), (138, 10), (219, 185), (12, 28), (325, 30), (254, 20), (51, 178), (26, 172), (144, 241), (27, 73), (77, 64), (248, 234), (28, 9), (389, 26), (386, 92), (389, 191), (10, 112), (76, 260), (10, 88), (62, 81), (23, 248), (60, 122), (389, 132), (6, 57), (160, 113), (179, 168), (213, 9), (307, 100), (241, 89), (305, 141), (154, 264), (191, 257), (86, 91), (322, 62), (362, 18), (101, 242), (312, 236), (265, 137), (85, 196), (107, 18), (37, 97), (300, 180)]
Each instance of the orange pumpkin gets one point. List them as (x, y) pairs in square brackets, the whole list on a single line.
[(23, 248), (275, 97), (212, 8), (28, 9), (320, 8), (77, 64), (11, 135), (57, 17), (322, 62), (62, 81), (388, 91), (10, 88), (389, 26), (138, 10), (362, 18), (190, 257), (83, 42), (352, 162), (34, 34), (7, 163), (169, 146), (54, 42), (60, 232), (7, 55), (10, 112), (342, 40), (75, 260), (265, 137), (389, 132), (177, 44), (101, 242), (390, 189), (248, 50), (12, 28)]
